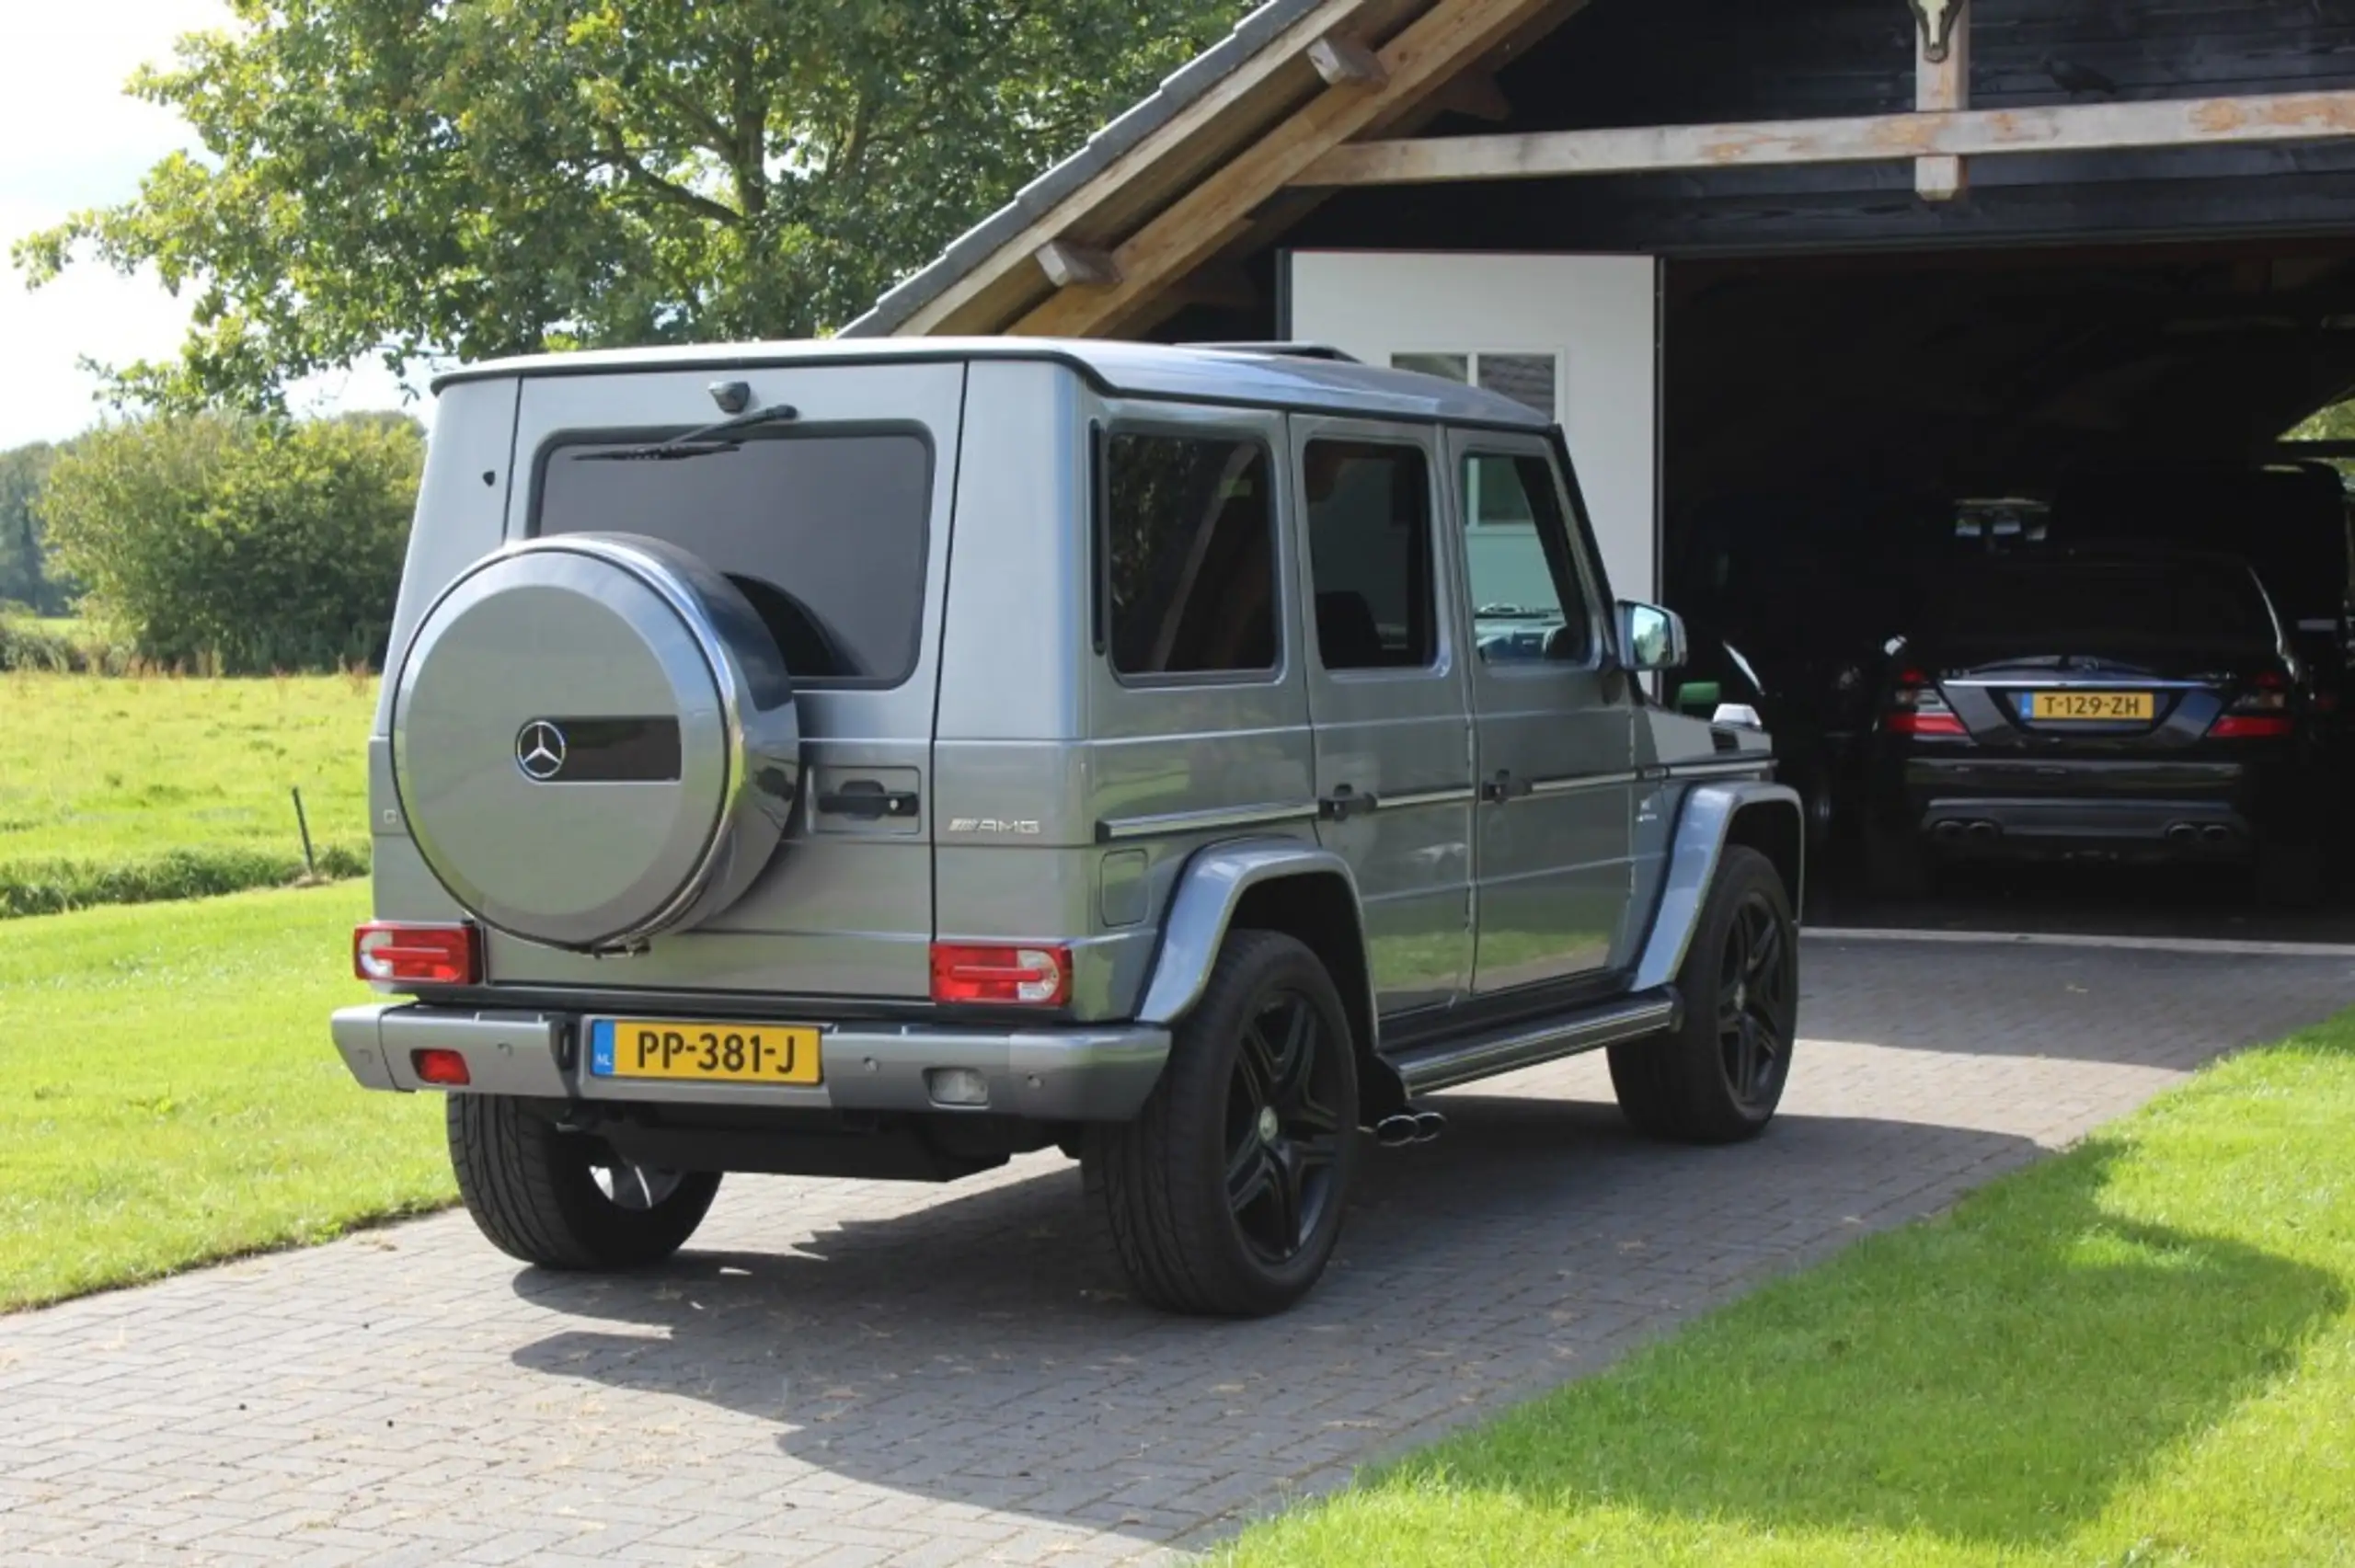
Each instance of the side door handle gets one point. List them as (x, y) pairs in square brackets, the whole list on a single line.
[(869, 801), (1344, 803), (1504, 788)]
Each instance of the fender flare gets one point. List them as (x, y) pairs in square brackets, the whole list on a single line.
[(1208, 890), (1705, 822)]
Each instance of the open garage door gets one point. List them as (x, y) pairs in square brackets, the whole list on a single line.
[(1573, 335), (1849, 439)]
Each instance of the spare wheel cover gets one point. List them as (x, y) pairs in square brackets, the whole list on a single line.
[(594, 741)]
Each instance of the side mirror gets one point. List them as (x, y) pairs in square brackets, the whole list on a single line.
[(1651, 638)]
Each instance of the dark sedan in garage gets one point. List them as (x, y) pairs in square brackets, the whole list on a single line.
[(2111, 702)]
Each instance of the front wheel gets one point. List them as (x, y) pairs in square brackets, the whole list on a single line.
[(1224, 1196), (562, 1200), (1717, 1076)]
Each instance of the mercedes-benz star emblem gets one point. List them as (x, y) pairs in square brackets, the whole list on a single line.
[(539, 750)]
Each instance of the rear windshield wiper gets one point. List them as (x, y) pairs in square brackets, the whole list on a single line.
[(698, 442)]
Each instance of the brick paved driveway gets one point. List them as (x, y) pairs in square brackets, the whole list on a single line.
[(849, 1373)]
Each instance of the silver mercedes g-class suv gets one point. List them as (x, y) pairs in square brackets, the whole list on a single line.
[(883, 759)]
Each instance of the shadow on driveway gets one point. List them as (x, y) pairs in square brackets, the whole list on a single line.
[(979, 1349)]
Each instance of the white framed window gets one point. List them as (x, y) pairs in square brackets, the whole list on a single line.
[(1532, 380)]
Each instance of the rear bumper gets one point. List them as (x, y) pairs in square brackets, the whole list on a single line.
[(2186, 830), (1972, 804), (1088, 1073)]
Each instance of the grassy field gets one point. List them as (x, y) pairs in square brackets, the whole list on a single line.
[(2140, 1353), (117, 791), (169, 1095)]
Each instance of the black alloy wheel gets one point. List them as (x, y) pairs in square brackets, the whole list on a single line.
[(563, 1200), (1224, 1195), (1283, 1128), (1756, 978), (1718, 1075)]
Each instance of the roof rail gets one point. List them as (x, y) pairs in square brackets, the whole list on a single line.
[(1294, 350)]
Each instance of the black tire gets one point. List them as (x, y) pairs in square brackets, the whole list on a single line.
[(1224, 1196), (1718, 1077), (535, 1190)]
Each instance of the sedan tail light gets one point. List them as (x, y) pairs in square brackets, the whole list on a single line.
[(400, 952), (1917, 708), (1022, 976), (2260, 713)]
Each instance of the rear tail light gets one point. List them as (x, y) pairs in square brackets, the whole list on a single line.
[(2260, 713), (394, 952), (1024, 977), (1917, 708)]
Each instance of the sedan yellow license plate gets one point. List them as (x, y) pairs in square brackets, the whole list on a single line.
[(2096, 707), (715, 1053)]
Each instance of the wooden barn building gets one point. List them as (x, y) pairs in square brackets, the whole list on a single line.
[(1800, 278)]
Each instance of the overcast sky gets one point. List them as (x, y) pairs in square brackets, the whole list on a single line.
[(69, 139)]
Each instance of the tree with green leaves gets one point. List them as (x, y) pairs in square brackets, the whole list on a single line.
[(251, 544), (25, 575), (406, 177)]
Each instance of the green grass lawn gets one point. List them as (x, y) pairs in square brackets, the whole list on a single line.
[(2140, 1353), (169, 1095), (121, 790)]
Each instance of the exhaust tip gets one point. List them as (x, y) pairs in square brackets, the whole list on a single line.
[(1399, 1130), (2182, 832), (1984, 830), (1429, 1125), (1949, 830), (2216, 833)]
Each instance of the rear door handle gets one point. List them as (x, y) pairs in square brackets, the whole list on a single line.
[(1504, 788), (1344, 803), (869, 801)]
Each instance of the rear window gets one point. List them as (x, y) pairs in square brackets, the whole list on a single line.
[(825, 534), (2143, 601)]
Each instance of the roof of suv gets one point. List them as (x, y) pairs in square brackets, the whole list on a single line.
[(1261, 378)]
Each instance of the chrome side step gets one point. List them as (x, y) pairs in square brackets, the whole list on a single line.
[(1451, 1062)]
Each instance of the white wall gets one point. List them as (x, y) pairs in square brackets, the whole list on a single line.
[(1598, 314)]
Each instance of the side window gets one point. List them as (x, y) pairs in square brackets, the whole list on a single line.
[(1528, 604), (1369, 508), (1189, 555)]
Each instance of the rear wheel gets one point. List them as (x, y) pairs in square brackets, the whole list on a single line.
[(1718, 1077), (563, 1200), (1224, 1196)]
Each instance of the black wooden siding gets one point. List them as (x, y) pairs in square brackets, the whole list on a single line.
[(1624, 63)]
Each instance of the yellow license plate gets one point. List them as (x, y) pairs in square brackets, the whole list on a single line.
[(2099, 707), (716, 1053)]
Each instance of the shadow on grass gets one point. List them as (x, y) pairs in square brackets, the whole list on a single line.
[(1993, 1377)]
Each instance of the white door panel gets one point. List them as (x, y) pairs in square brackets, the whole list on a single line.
[(1577, 332)]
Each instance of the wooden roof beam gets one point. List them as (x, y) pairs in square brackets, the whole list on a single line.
[(2061, 128), (1448, 37), (1941, 84), (1067, 264), (1345, 61), (1001, 284)]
